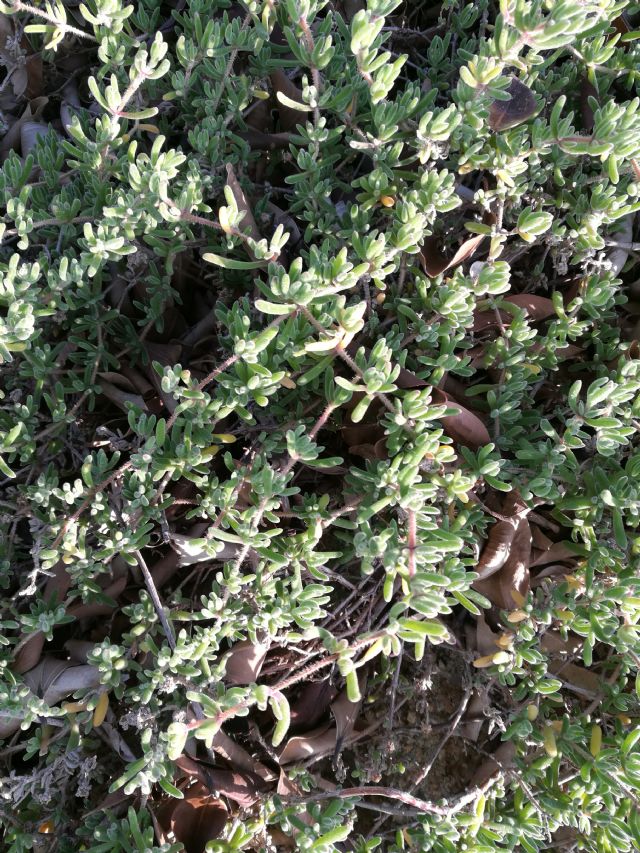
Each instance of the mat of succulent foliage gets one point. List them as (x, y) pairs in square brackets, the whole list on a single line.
[(319, 422)]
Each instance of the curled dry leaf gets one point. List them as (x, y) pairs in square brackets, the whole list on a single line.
[(503, 758), (83, 611), (239, 758), (244, 662), (52, 680), (316, 743), (312, 704), (470, 727), (558, 552), (195, 820), (290, 118), (30, 132), (537, 308), (521, 107), (248, 223), (346, 713), (513, 575), (11, 140), (464, 427), (498, 545), (435, 262), (582, 680), (122, 398), (243, 788)]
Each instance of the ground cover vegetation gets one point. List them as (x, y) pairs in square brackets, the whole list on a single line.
[(319, 425)]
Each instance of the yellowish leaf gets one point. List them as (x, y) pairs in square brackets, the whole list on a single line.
[(100, 711)]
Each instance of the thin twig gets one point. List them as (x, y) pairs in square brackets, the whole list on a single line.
[(155, 599)]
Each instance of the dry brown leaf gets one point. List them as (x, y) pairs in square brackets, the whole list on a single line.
[(244, 662), (196, 820), (238, 757), (290, 788), (585, 680), (346, 713), (69, 105), (167, 355), (165, 568), (540, 540), (121, 398), (248, 223), (503, 758), (406, 379), (370, 451), (29, 654), (243, 788), (361, 434), (79, 650), (537, 307), (501, 534), (24, 72), (54, 680), (30, 132), (558, 552), (507, 114), (470, 727), (320, 741), (11, 140), (83, 611), (435, 262), (260, 141), (485, 637), (513, 575), (465, 427), (553, 642), (290, 118), (496, 550), (312, 704)]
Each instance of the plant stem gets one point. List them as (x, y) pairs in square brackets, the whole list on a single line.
[(19, 6)]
